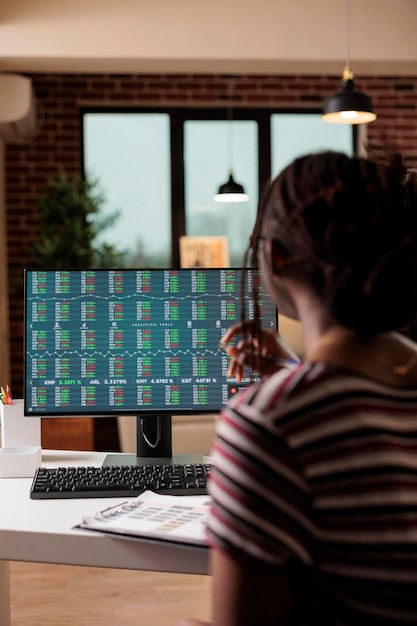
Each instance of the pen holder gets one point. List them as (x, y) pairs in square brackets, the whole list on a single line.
[(17, 429)]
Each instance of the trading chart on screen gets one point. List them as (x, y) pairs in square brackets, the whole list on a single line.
[(133, 341)]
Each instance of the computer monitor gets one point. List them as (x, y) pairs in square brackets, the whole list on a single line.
[(141, 342)]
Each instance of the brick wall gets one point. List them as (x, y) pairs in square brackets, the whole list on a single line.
[(57, 146)]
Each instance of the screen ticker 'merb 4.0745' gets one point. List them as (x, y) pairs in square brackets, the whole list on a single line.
[(133, 341)]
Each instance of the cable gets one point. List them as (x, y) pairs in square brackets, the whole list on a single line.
[(158, 432)]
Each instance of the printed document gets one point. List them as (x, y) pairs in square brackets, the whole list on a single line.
[(156, 516)]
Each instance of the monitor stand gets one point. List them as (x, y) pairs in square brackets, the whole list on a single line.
[(153, 445)]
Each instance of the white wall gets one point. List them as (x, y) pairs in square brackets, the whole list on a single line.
[(194, 35)]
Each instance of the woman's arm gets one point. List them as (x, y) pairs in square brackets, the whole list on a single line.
[(247, 595)]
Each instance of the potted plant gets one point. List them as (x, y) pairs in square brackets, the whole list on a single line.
[(69, 224)]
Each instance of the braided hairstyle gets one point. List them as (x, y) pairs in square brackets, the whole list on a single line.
[(351, 223)]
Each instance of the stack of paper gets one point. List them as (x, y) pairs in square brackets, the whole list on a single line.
[(171, 518)]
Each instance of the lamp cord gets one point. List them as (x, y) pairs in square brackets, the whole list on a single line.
[(230, 123), (347, 19)]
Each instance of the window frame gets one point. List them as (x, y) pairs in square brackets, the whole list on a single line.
[(178, 116)]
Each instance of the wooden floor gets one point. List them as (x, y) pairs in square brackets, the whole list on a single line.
[(60, 595)]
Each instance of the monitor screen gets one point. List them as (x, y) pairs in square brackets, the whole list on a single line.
[(133, 341)]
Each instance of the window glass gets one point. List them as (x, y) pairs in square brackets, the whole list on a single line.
[(211, 150), (295, 134), (129, 154)]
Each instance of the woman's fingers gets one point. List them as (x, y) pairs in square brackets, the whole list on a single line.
[(246, 355)]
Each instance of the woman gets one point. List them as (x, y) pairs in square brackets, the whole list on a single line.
[(314, 479)]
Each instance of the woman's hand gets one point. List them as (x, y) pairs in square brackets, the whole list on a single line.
[(265, 356)]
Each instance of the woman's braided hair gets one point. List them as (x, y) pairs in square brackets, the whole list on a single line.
[(353, 222)]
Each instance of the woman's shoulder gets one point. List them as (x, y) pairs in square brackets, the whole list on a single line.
[(315, 384)]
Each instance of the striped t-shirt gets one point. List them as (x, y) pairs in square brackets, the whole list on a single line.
[(318, 467)]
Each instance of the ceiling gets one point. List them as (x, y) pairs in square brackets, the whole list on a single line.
[(222, 36)]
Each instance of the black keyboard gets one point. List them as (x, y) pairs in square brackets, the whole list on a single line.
[(119, 481)]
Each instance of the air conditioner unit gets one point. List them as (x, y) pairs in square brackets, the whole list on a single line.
[(18, 119)]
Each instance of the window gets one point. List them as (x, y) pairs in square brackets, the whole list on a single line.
[(295, 134), (159, 170), (130, 157), (207, 163)]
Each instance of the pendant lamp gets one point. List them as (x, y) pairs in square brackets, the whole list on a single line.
[(348, 106), (230, 191)]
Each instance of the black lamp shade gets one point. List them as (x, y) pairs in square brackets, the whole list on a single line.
[(348, 106), (231, 191), (231, 186)]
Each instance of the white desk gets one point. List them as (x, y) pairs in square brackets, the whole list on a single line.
[(43, 531)]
